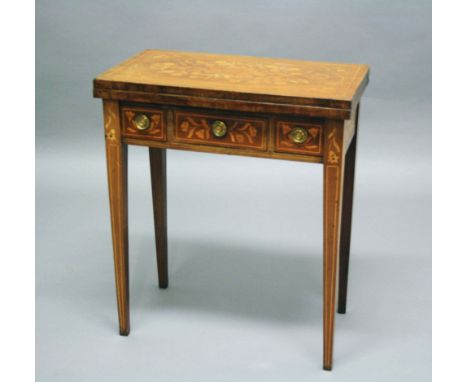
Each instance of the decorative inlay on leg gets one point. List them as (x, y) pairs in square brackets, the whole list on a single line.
[(109, 121), (334, 148)]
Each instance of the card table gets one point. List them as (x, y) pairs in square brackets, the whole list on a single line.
[(227, 104)]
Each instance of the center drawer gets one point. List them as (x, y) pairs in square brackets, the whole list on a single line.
[(220, 130)]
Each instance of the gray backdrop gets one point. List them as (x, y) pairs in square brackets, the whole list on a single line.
[(244, 302)]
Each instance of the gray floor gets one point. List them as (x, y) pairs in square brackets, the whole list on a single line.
[(245, 234)]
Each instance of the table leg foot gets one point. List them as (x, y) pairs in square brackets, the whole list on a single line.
[(124, 332), (163, 286)]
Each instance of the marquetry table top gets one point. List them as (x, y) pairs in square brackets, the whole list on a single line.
[(327, 83)]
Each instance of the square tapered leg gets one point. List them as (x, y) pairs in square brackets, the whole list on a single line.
[(116, 154), (158, 185), (346, 219), (333, 189)]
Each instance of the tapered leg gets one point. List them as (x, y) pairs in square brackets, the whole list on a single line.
[(333, 186), (158, 183), (116, 153), (346, 220)]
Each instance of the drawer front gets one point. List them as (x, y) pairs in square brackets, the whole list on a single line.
[(221, 130), (144, 123), (298, 138)]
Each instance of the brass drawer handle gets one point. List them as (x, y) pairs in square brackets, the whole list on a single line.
[(219, 129), (299, 135), (141, 122)]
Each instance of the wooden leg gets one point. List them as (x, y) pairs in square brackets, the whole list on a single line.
[(346, 220), (116, 153), (158, 183), (333, 186)]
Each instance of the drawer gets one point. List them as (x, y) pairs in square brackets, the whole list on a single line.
[(143, 123), (221, 130), (298, 137)]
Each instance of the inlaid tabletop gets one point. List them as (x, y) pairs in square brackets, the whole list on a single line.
[(325, 81)]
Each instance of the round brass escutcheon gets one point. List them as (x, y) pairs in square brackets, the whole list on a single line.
[(219, 129), (141, 122), (298, 135)]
